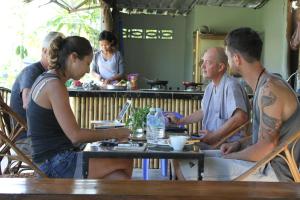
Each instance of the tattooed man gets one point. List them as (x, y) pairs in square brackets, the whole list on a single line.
[(276, 115), (276, 112)]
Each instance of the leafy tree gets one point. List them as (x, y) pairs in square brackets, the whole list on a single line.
[(21, 51), (83, 23)]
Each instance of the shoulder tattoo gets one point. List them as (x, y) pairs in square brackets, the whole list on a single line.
[(270, 125)]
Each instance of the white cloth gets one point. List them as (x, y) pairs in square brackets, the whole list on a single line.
[(221, 169)]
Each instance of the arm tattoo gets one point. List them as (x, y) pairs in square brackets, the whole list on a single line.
[(271, 125), (268, 100)]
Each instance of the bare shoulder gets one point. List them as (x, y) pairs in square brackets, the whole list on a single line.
[(277, 94), (271, 108), (276, 103), (53, 89), (56, 88)]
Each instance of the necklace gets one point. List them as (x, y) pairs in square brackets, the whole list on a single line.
[(262, 71)]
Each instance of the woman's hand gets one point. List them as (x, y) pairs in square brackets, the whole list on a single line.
[(122, 134), (107, 81), (228, 148)]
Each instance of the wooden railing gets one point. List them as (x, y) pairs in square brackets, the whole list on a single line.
[(71, 189), (5, 94)]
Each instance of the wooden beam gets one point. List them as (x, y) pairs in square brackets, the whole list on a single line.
[(67, 189)]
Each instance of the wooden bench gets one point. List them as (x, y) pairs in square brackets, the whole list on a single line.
[(67, 189)]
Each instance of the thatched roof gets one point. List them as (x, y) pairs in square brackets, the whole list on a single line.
[(165, 7)]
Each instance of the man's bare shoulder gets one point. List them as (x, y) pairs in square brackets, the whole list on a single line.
[(276, 95)]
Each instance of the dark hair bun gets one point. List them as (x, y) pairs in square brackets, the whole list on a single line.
[(55, 46), (109, 36)]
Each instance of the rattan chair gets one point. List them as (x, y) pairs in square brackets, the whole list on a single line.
[(19, 156), (11, 126), (285, 150)]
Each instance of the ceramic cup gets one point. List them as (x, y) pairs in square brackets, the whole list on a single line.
[(177, 142)]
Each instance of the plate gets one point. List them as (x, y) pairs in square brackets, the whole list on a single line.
[(163, 142), (114, 87), (197, 136)]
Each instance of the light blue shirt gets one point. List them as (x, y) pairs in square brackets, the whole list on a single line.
[(219, 103), (108, 68)]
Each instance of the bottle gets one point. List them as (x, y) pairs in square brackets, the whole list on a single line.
[(128, 85), (160, 123), (151, 135)]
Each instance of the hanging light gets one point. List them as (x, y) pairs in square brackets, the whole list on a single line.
[(296, 4)]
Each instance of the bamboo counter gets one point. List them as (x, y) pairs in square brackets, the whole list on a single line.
[(106, 104)]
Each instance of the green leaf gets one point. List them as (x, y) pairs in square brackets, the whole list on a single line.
[(18, 50), (137, 118), (21, 51)]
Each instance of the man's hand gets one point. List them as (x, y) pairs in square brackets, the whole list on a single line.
[(228, 148), (172, 118), (208, 137)]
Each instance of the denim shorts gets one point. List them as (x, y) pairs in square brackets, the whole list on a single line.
[(66, 164)]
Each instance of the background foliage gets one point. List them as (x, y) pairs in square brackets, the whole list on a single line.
[(25, 26)]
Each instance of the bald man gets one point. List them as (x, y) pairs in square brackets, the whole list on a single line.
[(225, 104), (224, 107)]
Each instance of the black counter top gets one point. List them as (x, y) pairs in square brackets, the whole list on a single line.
[(146, 93), (135, 91)]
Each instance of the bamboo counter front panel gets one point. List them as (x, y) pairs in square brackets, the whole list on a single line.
[(105, 105)]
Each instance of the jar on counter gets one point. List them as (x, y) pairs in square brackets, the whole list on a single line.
[(132, 78)]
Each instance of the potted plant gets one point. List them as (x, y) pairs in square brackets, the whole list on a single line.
[(137, 120)]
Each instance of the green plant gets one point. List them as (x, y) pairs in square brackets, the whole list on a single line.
[(21, 51), (87, 24), (137, 118)]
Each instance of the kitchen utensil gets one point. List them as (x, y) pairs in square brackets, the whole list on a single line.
[(191, 84), (114, 87)]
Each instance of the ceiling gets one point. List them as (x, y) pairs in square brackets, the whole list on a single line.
[(161, 7), (157, 7)]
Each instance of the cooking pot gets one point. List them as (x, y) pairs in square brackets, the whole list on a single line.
[(157, 82), (191, 84), (114, 87)]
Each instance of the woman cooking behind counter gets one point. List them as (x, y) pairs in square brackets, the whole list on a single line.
[(107, 65)]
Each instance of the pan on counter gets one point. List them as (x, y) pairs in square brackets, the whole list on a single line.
[(157, 82), (191, 84), (114, 87)]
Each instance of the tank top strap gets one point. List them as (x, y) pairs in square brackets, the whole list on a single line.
[(40, 83)]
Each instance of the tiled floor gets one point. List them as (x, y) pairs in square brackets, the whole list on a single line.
[(154, 174)]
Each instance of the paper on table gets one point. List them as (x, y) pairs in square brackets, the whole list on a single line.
[(161, 142), (107, 124), (130, 147), (212, 153)]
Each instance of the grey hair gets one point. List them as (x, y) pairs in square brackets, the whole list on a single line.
[(50, 37), (221, 56)]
